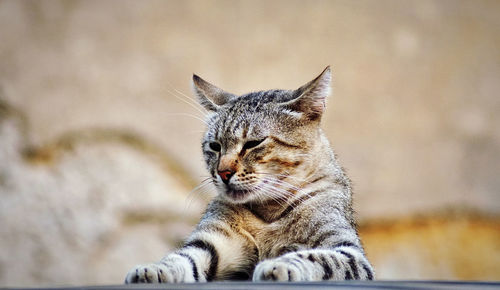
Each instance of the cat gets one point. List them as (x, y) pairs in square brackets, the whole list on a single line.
[(283, 210)]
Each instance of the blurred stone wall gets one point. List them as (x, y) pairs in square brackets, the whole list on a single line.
[(99, 146)]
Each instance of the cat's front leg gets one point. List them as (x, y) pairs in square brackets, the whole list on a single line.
[(216, 250), (344, 263), (197, 261)]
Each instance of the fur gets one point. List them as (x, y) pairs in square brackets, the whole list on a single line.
[(283, 210)]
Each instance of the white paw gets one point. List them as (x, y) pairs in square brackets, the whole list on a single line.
[(157, 273), (278, 270)]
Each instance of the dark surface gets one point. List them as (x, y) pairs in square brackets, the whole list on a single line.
[(305, 285)]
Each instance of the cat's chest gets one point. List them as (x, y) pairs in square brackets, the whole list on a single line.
[(277, 238), (276, 234)]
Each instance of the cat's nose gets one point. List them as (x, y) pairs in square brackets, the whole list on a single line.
[(225, 175)]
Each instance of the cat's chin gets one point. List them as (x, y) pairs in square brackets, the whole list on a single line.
[(238, 195)]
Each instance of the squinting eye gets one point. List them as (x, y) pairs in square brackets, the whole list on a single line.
[(251, 144), (214, 146)]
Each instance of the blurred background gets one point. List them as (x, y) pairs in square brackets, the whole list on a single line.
[(99, 144)]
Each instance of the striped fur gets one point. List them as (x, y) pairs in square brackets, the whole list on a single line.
[(284, 206)]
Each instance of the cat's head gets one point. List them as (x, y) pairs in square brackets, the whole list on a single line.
[(258, 146)]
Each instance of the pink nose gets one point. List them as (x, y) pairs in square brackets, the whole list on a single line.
[(225, 175)]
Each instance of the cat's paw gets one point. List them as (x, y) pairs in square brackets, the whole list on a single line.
[(278, 270), (157, 273)]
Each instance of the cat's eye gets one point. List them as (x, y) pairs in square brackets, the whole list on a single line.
[(253, 143), (214, 146)]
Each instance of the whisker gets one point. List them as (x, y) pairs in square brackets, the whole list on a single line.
[(188, 99), (197, 189), (270, 193), (189, 103), (200, 189), (303, 182), (276, 180), (261, 191), (189, 115), (300, 195), (277, 192), (191, 99)]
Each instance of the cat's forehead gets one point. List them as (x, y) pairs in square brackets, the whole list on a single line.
[(258, 99), (247, 116), (238, 122)]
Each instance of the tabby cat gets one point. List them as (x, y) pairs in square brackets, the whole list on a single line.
[(283, 210)]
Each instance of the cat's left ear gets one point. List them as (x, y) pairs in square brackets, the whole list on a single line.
[(310, 99), (210, 96)]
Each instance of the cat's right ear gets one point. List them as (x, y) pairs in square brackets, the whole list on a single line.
[(210, 96)]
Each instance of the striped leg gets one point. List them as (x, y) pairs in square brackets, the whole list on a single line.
[(342, 263), (196, 262), (211, 254)]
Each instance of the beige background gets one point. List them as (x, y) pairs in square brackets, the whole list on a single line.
[(99, 149)]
